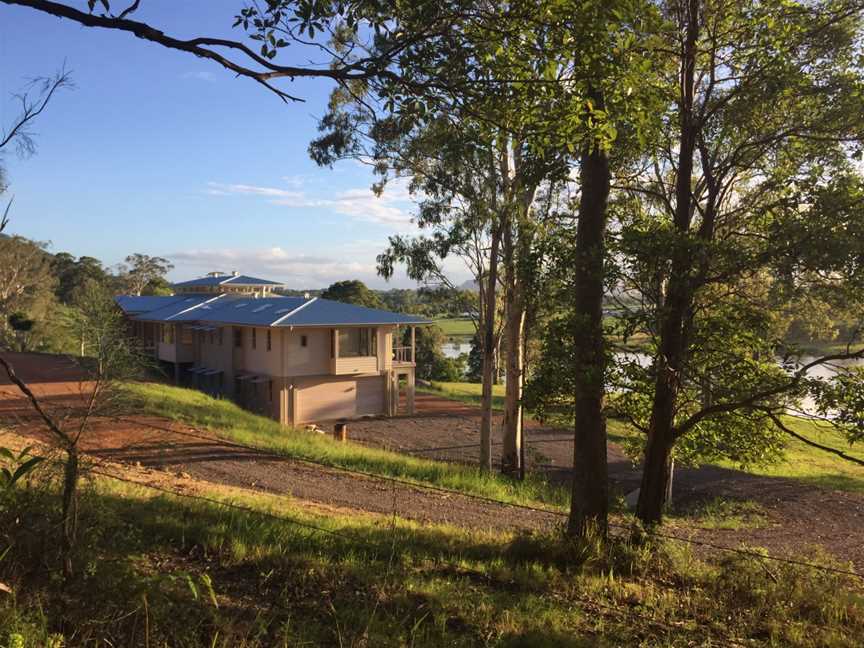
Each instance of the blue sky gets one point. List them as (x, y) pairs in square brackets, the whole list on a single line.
[(158, 152)]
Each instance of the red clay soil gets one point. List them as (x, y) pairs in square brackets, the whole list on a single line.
[(159, 443), (799, 515)]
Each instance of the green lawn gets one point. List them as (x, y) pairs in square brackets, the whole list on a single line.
[(236, 424), (162, 570), (816, 466), (456, 327), (467, 392)]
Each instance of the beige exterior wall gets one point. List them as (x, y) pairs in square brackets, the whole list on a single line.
[(257, 359), (325, 398), (311, 360)]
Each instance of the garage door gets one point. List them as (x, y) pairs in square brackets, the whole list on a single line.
[(322, 399)]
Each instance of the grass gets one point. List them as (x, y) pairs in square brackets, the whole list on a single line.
[(722, 513), (814, 466), (236, 424), (456, 327), (466, 392), (801, 461), (159, 570)]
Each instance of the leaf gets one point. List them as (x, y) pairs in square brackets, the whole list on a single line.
[(208, 584), (25, 468)]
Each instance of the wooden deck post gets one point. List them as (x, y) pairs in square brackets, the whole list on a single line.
[(410, 389), (413, 354), (340, 432)]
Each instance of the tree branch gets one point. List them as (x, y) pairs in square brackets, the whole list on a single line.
[(24, 389), (782, 426), (199, 47), (752, 400), (32, 110)]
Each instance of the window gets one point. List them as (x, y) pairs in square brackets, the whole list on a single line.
[(161, 332), (355, 342), (220, 337), (185, 335), (211, 336), (269, 340), (304, 341), (254, 337), (238, 338)]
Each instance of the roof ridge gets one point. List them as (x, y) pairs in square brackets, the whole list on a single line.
[(193, 307), (299, 308)]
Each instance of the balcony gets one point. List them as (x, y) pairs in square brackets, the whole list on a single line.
[(354, 365), (403, 356)]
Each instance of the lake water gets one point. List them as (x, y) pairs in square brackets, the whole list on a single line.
[(453, 349), (823, 372)]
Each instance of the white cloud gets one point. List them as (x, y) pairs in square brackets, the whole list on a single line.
[(201, 75), (295, 269), (218, 189), (391, 209)]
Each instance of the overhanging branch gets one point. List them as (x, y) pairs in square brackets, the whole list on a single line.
[(257, 68), (786, 429)]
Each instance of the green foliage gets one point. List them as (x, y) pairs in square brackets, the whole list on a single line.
[(19, 466), (72, 274), (145, 275), (353, 292), (431, 362), (195, 573)]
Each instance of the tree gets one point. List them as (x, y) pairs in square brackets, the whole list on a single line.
[(353, 291), (749, 180), (114, 359), (72, 274), (25, 278), (432, 364), (143, 273)]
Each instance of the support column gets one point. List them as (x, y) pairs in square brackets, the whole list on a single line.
[(413, 346), (176, 330), (409, 379)]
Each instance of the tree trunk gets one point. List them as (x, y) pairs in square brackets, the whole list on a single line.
[(678, 300), (589, 506), (511, 454), (70, 508), (489, 352)]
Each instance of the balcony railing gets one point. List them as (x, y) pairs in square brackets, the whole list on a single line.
[(402, 354)]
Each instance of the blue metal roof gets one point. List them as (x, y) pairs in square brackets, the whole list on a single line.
[(247, 311), (246, 280), (325, 312), (271, 311), (133, 304), (224, 280), (180, 305)]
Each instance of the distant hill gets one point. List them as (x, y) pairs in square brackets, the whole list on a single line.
[(470, 284)]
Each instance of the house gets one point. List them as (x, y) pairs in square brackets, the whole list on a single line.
[(296, 359)]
